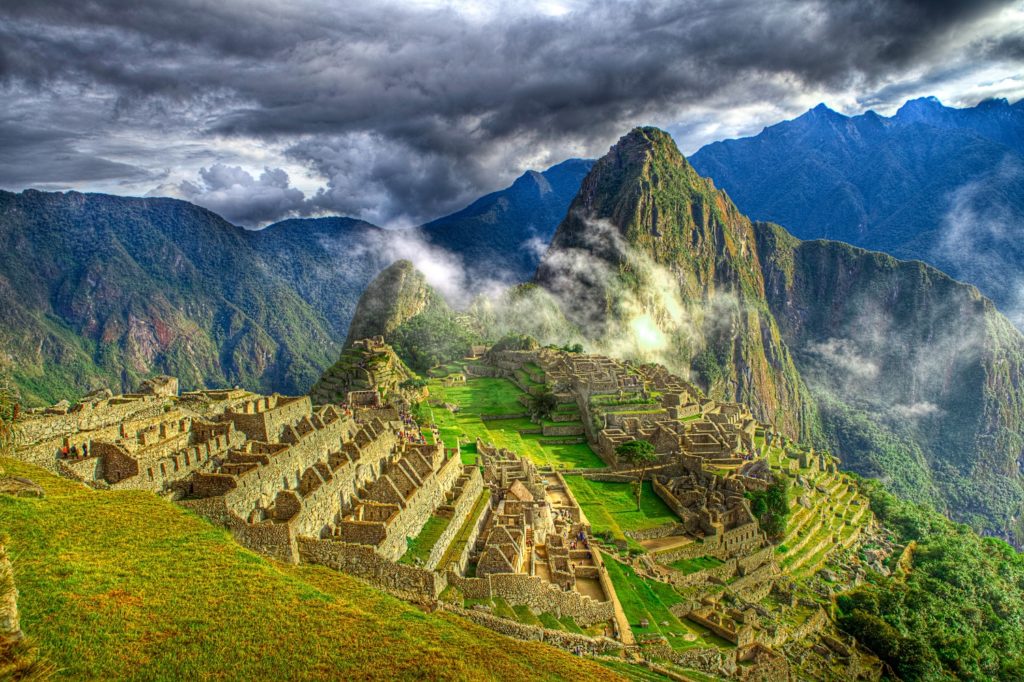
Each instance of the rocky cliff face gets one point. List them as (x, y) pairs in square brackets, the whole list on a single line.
[(653, 262), (917, 375)]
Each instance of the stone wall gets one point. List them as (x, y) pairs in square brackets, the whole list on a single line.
[(816, 622), (530, 590), (460, 563), (762, 665), (10, 626), (408, 582), (273, 539), (39, 438), (717, 662), (563, 430), (414, 508), (87, 416), (563, 640), (283, 469), (461, 506), (264, 417), (754, 560), (690, 551), (661, 531)]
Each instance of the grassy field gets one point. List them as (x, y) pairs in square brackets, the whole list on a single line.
[(612, 507), (487, 397), (124, 585), (688, 566), (422, 544), (651, 600)]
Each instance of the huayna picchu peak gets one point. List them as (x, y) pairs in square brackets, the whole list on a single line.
[(924, 395)]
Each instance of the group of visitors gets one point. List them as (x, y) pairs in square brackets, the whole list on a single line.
[(413, 432), (72, 452)]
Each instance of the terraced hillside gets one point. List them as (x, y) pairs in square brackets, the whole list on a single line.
[(661, 576), (116, 585), (495, 410)]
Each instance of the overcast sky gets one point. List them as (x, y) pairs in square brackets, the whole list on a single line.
[(398, 112)]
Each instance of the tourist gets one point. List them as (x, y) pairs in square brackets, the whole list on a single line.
[(74, 452), (64, 451)]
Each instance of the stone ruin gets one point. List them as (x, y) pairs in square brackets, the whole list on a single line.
[(271, 469), (344, 485), (707, 463), (365, 365), (10, 624), (537, 539)]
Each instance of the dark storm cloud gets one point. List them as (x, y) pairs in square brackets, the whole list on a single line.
[(44, 157), (405, 110)]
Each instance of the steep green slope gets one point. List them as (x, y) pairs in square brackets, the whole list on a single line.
[(98, 290), (328, 261), (413, 318), (653, 261), (397, 294), (918, 376), (955, 612), (125, 585)]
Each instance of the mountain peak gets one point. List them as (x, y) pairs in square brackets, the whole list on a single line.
[(644, 153), (922, 108), (993, 103), (643, 142), (821, 112), (398, 293), (534, 181)]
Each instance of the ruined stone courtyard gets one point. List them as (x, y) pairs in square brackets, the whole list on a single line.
[(479, 512)]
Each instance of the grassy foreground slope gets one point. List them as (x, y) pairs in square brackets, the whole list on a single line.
[(124, 585)]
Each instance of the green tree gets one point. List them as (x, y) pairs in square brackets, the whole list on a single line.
[(771, 507), (543, 404), (639, 453)]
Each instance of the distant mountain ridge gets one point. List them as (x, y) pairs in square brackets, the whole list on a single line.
[(504, 233), (100, 290), (932, 183)]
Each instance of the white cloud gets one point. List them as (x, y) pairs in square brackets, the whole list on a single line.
[(233, 193)]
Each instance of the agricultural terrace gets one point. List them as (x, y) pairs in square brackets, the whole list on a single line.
[(647, 604), (480, 402), (611, 507)]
